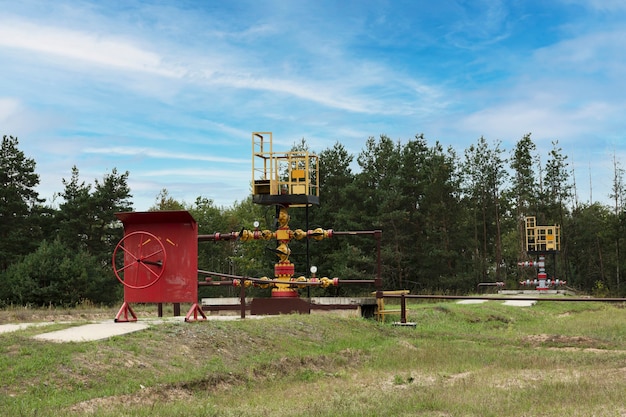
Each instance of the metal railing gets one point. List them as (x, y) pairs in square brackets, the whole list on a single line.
[(404, 297)]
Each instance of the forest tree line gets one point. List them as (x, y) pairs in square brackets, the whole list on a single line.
[(450, 221)]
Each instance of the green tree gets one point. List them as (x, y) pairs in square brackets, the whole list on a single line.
[(380, 206), (74, 215), (522, 195), (338, 210), (19, 235), (211, 255), (555, 197), (57, 275), (86, 218), (443, 241), (164, 201), (110, 196), (484, 180), (557, 188), (337, 191), (589, 246), (411, 192), (618, 195), (524, 187)]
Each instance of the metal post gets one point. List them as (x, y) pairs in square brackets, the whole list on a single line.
[(242, 299), (403, 309), (308, 255), (379, 280)]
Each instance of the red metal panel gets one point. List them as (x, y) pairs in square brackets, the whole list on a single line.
[(177, 232)]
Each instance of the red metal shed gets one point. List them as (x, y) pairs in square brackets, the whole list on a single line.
[(157, 260)]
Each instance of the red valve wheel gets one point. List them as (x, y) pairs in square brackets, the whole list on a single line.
[(139, 260)]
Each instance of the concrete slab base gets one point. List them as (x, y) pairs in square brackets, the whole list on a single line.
[(471, 301), (91, 332), (109, 328), (407, 324), (513, 303), (520, 303)]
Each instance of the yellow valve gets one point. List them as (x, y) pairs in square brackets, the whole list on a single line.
[(246, 235), (264, 285), (327, 282), (319, 233), (301, 279), (246, 283), (283, 252), (299, 234)]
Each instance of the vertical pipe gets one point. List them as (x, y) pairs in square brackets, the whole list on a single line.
[(403, 309), (308, 255), (554, 276), (242, 299), (379, 281)]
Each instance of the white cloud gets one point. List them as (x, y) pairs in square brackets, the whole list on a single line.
[(546, 120), (336, 81), (8, 107), (155, 153), (200, 174), (601, 5), (19, 120), (102, 50)]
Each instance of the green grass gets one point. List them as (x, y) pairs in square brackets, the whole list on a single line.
[(552, 359)]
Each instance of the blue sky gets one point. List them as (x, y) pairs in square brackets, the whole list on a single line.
[(171, 90)]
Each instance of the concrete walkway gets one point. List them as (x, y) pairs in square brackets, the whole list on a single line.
[(471, 301), (91, 332), (513, 303), (520, 303), (104, 329)]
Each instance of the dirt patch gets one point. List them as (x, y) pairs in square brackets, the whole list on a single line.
[(455, 378), (226, 346), (405, 344), (147, 396), (401, 382), (527, 378), (561, 341), (217, 382)]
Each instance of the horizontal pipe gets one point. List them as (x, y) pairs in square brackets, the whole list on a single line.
[(218, 236), (230, 283), (234, 235), (275, 281), (478, 297), (214, 283), (357, 232), (219, 274)]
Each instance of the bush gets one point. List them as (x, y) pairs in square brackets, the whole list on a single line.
[(55, 275)]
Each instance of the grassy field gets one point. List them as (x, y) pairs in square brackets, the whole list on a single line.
[(552, 359)]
